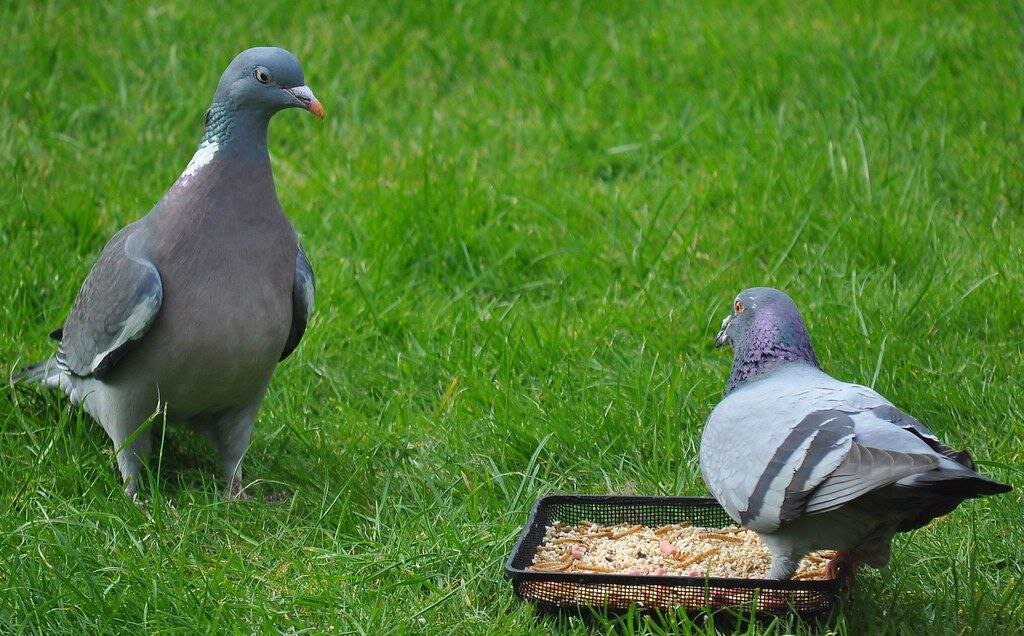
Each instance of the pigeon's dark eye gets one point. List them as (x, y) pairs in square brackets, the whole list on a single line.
[(737, 307), (261, 75)]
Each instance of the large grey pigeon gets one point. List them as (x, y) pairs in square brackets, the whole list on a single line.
[(189, 309), (809, 462)]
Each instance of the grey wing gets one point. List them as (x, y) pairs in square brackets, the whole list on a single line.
[(889, 445), (114, 308), (864, 470), (780, 450), (890, 413), (820, 466), (764, 448), (302, 302), (814, 447)]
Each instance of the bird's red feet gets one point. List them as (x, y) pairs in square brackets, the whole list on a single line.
[(843, 564)]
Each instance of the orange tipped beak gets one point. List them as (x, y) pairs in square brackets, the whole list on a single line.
[(307, 100), (316, 108)]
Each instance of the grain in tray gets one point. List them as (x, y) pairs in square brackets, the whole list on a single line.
[(668, 550)]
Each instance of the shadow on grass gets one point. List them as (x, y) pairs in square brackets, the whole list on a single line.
[(57, 448)]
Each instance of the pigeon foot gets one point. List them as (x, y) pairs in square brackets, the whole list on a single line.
[(843, 564), (237, 492)]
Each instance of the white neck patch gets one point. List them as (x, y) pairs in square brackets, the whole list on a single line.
[(204, 155)]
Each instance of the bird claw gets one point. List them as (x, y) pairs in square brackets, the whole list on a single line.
[(237, 492), (843, 565)]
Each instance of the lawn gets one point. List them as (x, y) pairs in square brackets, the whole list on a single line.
[(527, 221)]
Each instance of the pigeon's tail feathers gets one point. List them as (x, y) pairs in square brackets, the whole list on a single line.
[(46, 372), (933, 495), (965, 485), (983, 486)]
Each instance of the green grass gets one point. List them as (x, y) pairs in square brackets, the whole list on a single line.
[(527, 220)]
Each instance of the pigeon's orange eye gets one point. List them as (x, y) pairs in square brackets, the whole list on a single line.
[(261, 75), (737, 307)]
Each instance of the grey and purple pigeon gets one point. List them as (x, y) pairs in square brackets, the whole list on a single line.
[(810, 462), (188, 310)]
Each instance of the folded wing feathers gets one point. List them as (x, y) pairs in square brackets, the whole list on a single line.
[(302, 301), (132, 328), (866, 469), (824, 453), (911, 424), (813, 448), (115, 307)]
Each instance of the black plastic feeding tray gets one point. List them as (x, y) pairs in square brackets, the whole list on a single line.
[(555, 590)]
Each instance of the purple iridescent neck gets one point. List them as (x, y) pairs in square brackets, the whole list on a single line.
[(776, 338)]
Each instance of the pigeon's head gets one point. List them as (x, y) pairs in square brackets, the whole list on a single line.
[(265, 80), (764, 329)]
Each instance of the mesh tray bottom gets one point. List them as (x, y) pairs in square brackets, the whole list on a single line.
[(622, 596)]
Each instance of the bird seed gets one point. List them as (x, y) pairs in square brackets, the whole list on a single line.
[(668, 550)]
